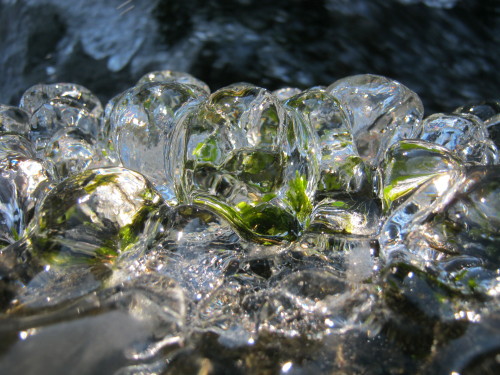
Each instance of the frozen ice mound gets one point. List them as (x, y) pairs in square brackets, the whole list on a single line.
[(245, 231)]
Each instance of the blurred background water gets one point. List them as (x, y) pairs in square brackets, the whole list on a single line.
[(445, 50)]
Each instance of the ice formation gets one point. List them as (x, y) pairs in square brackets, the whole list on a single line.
[(175, 231)]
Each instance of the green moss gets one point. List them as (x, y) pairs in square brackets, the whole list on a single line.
[(297, 198), (339, 204), (104, 253), (14, 233), (260, 169), (149, 195), (256, 162), (269, 125), (99, 180), (128, 236), (330, 182), (260, 221), (342, 177), (206, 151)]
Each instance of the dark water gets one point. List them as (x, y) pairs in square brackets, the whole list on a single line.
[(447, 53)]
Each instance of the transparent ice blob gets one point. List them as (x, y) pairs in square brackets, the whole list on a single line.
[(94, 216), (141, 127), (244, 156), (342, 171), (170, 76), (382, 111), (466, 135)]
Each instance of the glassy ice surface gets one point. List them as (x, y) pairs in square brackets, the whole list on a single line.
[(359, 217), (142, 123), (244, 156), (92, 344), (94, 216), (382, 111), (81, 97), (71, 150), (169, 76), (196, 242), (469, 224), (24, 181), (466, 135), (15, 145), (409, 164), (286, 93), (399, 225), (11, 215), (309, 303), (59, 114), (489, 112), (324, 231), (342, 171), (133, 321)]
